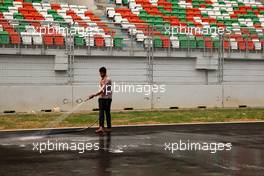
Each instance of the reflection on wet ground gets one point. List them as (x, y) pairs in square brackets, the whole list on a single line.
[(138, 151)]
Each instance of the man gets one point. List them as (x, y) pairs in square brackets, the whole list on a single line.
[(105, 99)]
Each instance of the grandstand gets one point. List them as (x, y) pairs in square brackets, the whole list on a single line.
[(243, 18), (171, 42)]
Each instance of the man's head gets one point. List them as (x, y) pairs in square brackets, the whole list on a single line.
[(102, 72)]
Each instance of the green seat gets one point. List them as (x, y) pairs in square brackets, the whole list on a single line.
[(187, 42), (57, 17), (4, 37), (157, 42), (18, 16), (125, 2), (200, 42), (78, 40), (8, 3), (52, 12), (20, 28), (118, 42), (216, 42), (3, 8)]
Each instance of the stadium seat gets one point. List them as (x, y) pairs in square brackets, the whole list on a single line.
[(15, 38), (37, 39), (99, 41), (78, 40), (4, 37), (244, 18), (58, 40), (108, 41), (48, 39), (26, 38), (89, 40), (118, 42), (175, 42)]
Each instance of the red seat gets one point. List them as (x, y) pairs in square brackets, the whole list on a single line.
[(9, 29), (166, 42), (48, 39), (99, 41), (226, 44), (242, 45), (250, 45), (208, 43), (55, 6), (15, 38), (59, 40), (23, 10), (27, 4)]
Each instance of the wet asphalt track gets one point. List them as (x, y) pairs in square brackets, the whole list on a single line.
[(137, 151)]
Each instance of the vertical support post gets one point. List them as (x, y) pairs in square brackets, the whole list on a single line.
[(150, 56)]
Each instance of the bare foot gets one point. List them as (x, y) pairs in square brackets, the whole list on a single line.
[(99, 130)]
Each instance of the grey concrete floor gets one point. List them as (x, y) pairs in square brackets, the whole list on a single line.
[(136, 151)]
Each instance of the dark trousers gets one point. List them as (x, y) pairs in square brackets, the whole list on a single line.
[(104, 110)]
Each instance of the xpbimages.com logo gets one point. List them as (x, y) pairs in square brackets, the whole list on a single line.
[(145, 89), (188, 145), (215, 31), (80, 147), (91, 30)]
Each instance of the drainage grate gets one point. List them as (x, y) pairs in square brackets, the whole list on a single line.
[(242, 106), (174, 107), (9, 111), (46, 110), (128, 109)]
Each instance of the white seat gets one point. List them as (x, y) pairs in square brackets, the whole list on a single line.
[(30, 29), (148, 41), (132, 30), (8, 15), (140, 36), (64, 6), (89, 40), (68, 19), (37, 5), (80, 14), (111, 13), (73, 6), (37, 39), (48, 17), (43, 12), (12, 9), (26, 38), (46, 6), (117, 18), (125, 24), (233, 45), (118, 2), (131, 4), (175, 43), (83, 8), (17, 4), (257, 44), (108, 41)]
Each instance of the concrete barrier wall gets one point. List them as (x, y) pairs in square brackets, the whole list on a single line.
[(30, 83), (37, 98)]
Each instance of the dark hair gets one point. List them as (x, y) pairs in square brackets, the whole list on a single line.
[(102, 70)]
